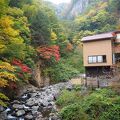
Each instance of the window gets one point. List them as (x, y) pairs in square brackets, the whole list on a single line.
[(100, 59), (94, 59), (97, 59), (90, 59)]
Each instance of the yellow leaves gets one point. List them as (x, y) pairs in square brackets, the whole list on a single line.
[(103, 5), (3, 97), (3, 82), (6, 66), (2, 48), (53, 36), (80, 19), (11, 32), (15, 12), (8, 76), (91, 13), (6, 22), (5, 74)]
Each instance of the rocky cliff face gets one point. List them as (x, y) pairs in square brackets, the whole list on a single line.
[(75, 8)]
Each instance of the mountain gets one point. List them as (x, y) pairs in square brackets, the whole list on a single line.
[(74, 8), (60, 8)]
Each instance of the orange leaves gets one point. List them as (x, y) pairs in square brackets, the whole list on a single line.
[(47, 52)]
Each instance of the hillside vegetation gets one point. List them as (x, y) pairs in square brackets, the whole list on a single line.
[(30, 32)]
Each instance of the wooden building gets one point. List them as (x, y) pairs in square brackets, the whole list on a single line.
[(101, 52)]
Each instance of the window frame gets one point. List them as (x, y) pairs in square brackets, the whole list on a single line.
[(96, 56)]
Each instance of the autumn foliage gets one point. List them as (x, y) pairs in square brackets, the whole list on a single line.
[(24, 68), (47, 52), (23, 71), (6, 77)]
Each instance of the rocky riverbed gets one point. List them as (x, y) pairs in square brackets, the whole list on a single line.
[(35, 104)]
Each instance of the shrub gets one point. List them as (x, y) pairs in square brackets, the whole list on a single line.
[(61, 71), (77, 87), (112, 113), (23, 72), (68, 97), (73, 112), (102, 104)]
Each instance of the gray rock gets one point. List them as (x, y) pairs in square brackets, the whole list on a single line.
[(20, 113), (10, 117), (1, 108), (29, 117), (7, 110), (34, 112), (25, 96), (69, 87), (53, 116), (34, 94), (39, 103), (27, 108), (3, 115), (30, 103), (45, 103), (39, 116), (50, 97), (35, 108), (17, 106), (16, 102)]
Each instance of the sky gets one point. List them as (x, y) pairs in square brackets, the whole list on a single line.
[(59, 1)]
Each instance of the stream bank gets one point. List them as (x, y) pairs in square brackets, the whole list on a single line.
[(35, 104)]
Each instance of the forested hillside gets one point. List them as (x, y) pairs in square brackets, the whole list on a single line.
[(40, 40), (30, 32), (98, 17)]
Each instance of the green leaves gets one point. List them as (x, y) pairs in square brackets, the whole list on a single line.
[(61, 71), (3, 97), (103, 104)]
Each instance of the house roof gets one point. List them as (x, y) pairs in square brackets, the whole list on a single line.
[(98, 37)]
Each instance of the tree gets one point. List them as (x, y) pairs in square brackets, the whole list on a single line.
[(6, 76), (3, 6)]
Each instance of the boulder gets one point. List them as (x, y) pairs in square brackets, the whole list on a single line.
[(1, 108), (17, 106), (30, 103), (20, 113), (10, 117), (29, 117), (3, 115), (35, 108), (15, 102)]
